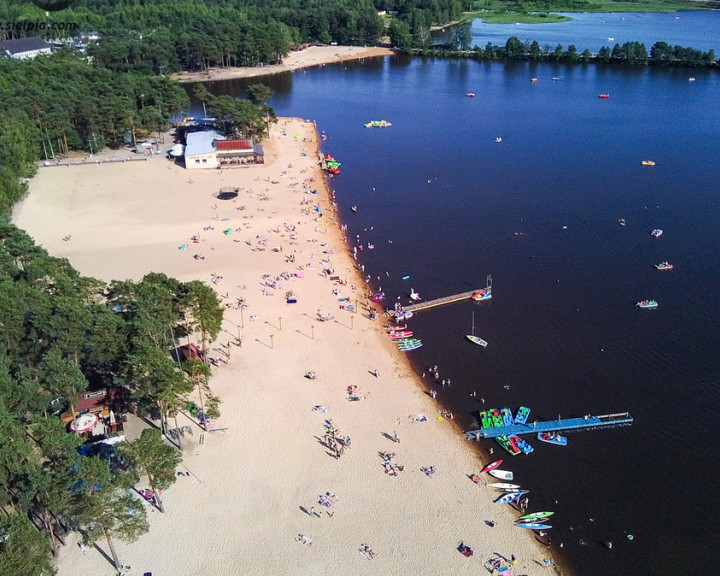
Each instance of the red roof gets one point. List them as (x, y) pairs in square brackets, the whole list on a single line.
[(192, 351), (233, 145)]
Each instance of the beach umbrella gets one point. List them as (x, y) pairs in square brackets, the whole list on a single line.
[(83, 423)]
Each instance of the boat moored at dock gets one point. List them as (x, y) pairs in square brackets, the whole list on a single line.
[(522, 415), (579, 423), (552, 438), (508, 445)]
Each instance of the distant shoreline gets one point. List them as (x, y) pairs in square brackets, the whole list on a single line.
[(309, 57)]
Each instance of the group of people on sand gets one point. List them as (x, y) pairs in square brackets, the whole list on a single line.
[(334, 441), (389, 464), (327, 499)]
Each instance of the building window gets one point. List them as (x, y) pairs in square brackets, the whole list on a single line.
[(204, 160), (197, 161)]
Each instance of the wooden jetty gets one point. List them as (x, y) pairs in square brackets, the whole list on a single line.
[(584, 423), (447, 299), (439, 301), (321, 160)]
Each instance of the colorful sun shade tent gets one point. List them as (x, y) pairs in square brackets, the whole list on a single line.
[(83, 423)]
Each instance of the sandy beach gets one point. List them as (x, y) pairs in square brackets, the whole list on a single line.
[(254, 484), (312, 56)]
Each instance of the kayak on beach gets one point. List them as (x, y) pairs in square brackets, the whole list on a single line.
[(491, 466)]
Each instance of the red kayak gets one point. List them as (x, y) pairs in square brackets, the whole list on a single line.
[(491, 466)]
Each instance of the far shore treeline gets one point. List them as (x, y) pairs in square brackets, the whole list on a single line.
[(629, 53), (62, 333)]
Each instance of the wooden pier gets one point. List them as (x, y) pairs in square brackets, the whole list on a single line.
[(584, 423), (439, 301)]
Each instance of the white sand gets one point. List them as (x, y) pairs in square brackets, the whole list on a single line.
[(312, 56), (240, 510)]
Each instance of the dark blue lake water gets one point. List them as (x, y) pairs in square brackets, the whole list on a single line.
[(539, 211), (699, 30)]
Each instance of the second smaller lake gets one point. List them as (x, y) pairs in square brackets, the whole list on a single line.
[(699, 30)]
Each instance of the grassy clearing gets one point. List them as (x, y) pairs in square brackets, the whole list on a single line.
[(509, 12), (509, 17)]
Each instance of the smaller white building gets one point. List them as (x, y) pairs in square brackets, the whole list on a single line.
[(200, 150), (24, 48)]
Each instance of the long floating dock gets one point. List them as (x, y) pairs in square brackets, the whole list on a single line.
[(584, 423), (439, 301)]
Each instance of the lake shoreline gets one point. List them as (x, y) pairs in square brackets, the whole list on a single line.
[(253, 483), (298, 60)]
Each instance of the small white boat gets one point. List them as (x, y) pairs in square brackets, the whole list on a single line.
[(498, 139), (475, 339), (504, 486), (414, 295), (501, 474)]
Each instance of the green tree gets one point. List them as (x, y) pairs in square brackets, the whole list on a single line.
[(150, 455), (15, 451), (513, 47), (400, 35), (61, 377), (201, 309), (572, 53), (201, 94), (259, 94), (535, 51), (46, 488), (156, 381), (463, 37), (23, 550), (103, 505)]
